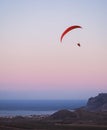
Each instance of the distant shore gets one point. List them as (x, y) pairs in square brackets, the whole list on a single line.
[(24, 113)]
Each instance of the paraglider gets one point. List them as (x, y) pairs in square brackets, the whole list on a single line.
[(79, 44), (68, 30)]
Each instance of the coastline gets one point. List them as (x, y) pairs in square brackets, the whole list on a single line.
[(24, 113)]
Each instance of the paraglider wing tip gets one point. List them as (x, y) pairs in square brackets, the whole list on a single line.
[(61, 38)]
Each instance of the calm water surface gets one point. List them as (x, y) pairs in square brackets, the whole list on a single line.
[(36, 107)]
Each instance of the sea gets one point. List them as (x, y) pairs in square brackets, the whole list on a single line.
[(11, 108)]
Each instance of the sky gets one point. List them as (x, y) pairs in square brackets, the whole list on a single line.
[(34, 64)]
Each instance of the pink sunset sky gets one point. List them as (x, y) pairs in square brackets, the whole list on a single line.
[(33, 62)]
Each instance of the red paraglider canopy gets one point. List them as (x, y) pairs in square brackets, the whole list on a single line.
[(69, 29)]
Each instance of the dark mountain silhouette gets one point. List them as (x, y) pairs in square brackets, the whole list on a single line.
[(63, 114), (95, 112), (98, 103)]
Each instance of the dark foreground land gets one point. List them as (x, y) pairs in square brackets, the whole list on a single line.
[(48, 127), (54, 122)]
